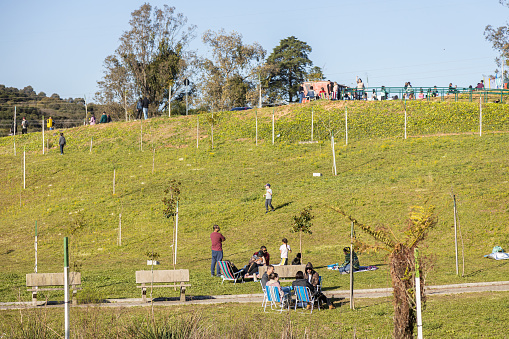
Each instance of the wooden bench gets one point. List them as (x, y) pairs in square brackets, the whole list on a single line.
[(148, 278), (284, 271), (39, 281)]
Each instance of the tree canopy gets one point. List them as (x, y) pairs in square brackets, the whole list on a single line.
[(499, 37), (230, 75), (290, 60), (153, 56)]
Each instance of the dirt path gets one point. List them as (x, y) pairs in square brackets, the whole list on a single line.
[(496, 286)]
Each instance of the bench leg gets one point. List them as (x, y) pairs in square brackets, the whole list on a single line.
[(34, 298), (183, 293), (74, 298), (144, 294)]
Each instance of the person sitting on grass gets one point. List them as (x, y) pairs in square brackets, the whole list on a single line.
[(296, 260), (345, 266)]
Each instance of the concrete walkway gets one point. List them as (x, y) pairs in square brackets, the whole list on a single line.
[(496, 286)]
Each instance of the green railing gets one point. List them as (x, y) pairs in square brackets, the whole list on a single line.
[(424, 93)]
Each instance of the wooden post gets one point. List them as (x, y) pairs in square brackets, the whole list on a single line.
[(333, 153), (273, 126), (312, 122), (256, 121), (455, 234), (480, 116), (43, 134), (197, 130), (169, 102), (418, 294), (119, 242), (346, 126), (405, 120), (91, 142), (352, 304), (113, 181), (176, 235), (153, 159), (66, 287), (141, 135), (24, 167)]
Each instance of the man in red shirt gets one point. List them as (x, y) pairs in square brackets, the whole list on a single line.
[(217, 249)]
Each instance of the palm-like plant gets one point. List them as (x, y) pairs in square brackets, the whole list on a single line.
[(401, 263)]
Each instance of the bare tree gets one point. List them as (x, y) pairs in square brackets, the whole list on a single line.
[(152, 57), (231, 74)]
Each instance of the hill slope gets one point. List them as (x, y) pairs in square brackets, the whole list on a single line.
[(380, 176)]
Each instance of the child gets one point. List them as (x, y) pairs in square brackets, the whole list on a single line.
[(284, 249), (296, 261), (268, 199)]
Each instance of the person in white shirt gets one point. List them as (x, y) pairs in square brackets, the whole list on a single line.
[(268, 199), (284, 249)]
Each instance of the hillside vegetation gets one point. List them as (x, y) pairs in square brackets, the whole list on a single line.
[(380, 176)]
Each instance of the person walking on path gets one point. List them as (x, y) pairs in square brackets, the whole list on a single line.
[(61, 143), (268, 199), (284, 249), (217, 249), (24, 126), (145, 107)]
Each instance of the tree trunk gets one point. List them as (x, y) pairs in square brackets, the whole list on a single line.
[(402, 266), (300, 247)]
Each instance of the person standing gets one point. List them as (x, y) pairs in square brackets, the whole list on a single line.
[(217, 249), (284, 249), (24, 126), (50, 124), (268, 199), (145, 107), (61, 143), (139, 108)]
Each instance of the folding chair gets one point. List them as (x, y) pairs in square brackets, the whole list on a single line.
[(274, 297), (264, 293), (304, 297), (227, 273)]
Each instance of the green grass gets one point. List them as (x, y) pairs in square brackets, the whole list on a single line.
[(380, 176), (479, 315)]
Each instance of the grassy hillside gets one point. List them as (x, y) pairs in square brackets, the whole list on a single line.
[(380, 176)]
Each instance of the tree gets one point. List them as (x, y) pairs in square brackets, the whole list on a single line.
[(302, 224), (402, 263), (315, 74), (152, 57), (231, 74), (499, 37), (290, 61)]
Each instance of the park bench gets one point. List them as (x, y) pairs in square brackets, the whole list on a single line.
[(284, 271), (38, 282), (179, 278)]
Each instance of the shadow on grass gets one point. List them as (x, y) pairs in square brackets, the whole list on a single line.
[(283, 205), (474, 273)]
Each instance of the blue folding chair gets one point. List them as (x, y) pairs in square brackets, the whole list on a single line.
[(304, 297), (274, 297), (227, 272)]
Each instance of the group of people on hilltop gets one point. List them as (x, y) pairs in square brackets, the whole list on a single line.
[(142, 108), (105, 118)]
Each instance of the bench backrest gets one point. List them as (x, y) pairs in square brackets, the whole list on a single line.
[(52, 279), (162, 276), (284, 271)]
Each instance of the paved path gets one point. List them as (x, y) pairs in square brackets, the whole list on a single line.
[(495, 286)]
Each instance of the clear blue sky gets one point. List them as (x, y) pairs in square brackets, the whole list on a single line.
[(59, 46)]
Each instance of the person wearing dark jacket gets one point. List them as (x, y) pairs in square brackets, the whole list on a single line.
[(145, 104), (61, 143), (104, 118), (300, 280)]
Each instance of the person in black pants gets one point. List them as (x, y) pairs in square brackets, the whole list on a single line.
[(61, 142)]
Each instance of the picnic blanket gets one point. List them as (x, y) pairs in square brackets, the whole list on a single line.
[(335, 267), (497, 253)]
